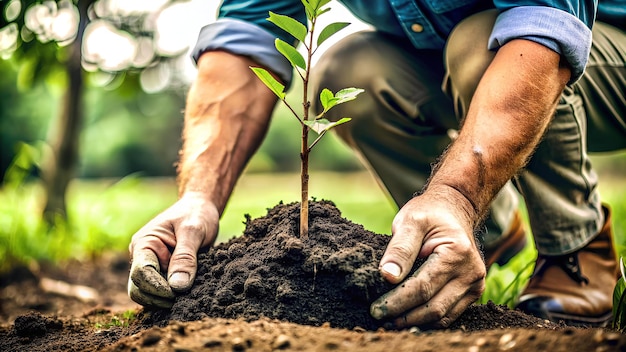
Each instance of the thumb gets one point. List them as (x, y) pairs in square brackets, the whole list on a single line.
[(400, 254), (184, 261)]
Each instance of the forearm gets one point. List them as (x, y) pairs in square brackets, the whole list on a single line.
[(509, 113), (227, 114)]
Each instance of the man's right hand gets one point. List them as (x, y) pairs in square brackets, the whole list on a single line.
[(169, 243)]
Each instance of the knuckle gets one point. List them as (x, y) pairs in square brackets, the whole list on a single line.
[(437, 312), (192, 227), (402, 251), (445, 322), (184, 257), (424, 292)]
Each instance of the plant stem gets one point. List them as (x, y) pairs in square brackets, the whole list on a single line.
[(304, 147)]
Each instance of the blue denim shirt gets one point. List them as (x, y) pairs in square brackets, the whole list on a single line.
[(563, 26)]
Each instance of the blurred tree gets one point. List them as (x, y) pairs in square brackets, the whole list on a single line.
[(63, 41)]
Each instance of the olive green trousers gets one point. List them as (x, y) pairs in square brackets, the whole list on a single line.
[(414, 100)]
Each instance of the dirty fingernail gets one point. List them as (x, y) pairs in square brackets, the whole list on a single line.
[(392, 269), (377, 311), (179, 279)]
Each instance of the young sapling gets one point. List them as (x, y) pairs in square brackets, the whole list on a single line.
[(302, 66)]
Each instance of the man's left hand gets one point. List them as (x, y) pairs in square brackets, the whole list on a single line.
[(436, 227)]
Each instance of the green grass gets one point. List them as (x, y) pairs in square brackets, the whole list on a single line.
[(117, 320), (104, 214)]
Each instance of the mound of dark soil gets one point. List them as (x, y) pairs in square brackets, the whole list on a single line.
[(330, 277)]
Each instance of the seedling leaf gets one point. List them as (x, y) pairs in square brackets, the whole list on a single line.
[(327, 99), (329, 30), (619, 300), (348, 94), (271, 82), (308, 8), (290, 53), (314, 7), (289, 25), (322, 11), (322, 125)]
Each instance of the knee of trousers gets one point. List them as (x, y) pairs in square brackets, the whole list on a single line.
[(467, 56), (353, 62)]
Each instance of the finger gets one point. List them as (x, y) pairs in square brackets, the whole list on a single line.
[(145, 273), (415, 291), (400, 254), (443, 309), (437, 272), (147, 300), (184, 262)]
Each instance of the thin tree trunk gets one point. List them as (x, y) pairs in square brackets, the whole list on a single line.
[(61, 165), (304, 180)]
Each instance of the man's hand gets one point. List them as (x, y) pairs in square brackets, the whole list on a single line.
[(434, 225), (169, 244)]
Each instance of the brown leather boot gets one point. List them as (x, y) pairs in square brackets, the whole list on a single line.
[(576, 288), (509, 245)]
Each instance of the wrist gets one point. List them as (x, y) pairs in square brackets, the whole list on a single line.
[(456, 201), (197, 198)]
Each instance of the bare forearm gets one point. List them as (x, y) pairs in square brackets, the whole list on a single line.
[(226, 118), (511, 109)]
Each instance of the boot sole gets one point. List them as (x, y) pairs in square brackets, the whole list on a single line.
[(580, 321)]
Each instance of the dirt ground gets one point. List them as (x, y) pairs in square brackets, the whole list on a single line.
[(83, 306)]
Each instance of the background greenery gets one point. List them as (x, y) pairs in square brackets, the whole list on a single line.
[(127, 131)]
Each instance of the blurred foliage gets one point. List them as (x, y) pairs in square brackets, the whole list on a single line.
[(138, 132), (123, 133), (118, 38), (101, 216)]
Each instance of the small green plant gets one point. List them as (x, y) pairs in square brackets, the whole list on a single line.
[(619, 300), (118, 321), (302, 66)]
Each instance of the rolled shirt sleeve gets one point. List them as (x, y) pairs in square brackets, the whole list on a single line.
[(554, 28), (247, 39), (242, 28)]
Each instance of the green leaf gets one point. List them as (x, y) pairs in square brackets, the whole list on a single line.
[(318, 4), (322, 11), (271, 82), (327, 99), (289, 25), (310, 12), (322, 125), (619, 300), (290, 53), (313, 8), (348, 94), (329, 30)]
